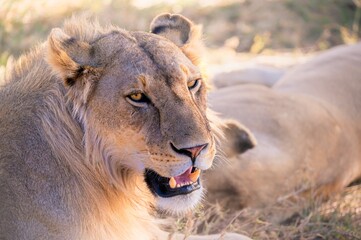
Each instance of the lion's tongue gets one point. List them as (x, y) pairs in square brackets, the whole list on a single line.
[(186, 178)]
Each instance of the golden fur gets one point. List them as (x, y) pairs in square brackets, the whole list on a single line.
[(73, 149), (308, 131)]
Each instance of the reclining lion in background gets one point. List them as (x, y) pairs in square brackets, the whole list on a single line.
[(111, 124), (308, 129)]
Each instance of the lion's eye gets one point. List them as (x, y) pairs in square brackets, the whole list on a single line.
[(193, 84), (136, 96), (138, 99)]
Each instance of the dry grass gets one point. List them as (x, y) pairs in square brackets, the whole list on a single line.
[(254, 26), (337, 219)]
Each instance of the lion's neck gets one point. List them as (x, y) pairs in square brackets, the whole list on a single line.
[(107, 212), (116, 213)]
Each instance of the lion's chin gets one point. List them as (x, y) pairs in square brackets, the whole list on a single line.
[(181, 203)]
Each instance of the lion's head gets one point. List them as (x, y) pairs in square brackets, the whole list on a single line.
[(141, 99)]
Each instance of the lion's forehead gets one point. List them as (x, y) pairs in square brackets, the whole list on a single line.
[(163, 55), (153, 59)]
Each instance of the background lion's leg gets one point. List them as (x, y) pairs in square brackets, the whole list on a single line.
[(226, 236)]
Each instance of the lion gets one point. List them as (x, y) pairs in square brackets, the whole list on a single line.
[(98, 126), (307, 128), (262, 75)]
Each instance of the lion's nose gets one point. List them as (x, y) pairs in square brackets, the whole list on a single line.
[(191, 152)]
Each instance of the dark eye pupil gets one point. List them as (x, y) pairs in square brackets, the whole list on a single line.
[(143, 98)]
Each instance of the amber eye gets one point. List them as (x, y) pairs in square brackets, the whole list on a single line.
[(138, 99), (136, 96), (193, 84)]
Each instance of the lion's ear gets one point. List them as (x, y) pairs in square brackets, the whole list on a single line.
[(180, 31), (237, 138), (69, 56)]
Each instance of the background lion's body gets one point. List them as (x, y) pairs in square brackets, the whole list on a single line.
[(307, 127)]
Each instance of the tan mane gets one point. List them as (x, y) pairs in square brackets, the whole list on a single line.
[(85, 28), (63, 130)]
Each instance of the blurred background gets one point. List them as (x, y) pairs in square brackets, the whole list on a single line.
[(237, 34), (275, 32)]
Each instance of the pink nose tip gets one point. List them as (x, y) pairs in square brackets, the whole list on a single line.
[(191, 152), (195, 151)]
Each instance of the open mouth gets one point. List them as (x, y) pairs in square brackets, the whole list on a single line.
[(182, 184)]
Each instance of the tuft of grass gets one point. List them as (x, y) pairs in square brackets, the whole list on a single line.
[(336, 219)]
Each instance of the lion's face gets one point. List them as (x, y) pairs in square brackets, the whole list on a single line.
[(143, 103), (153, 103)]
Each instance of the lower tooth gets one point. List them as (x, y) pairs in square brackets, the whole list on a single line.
[(172, 182)]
